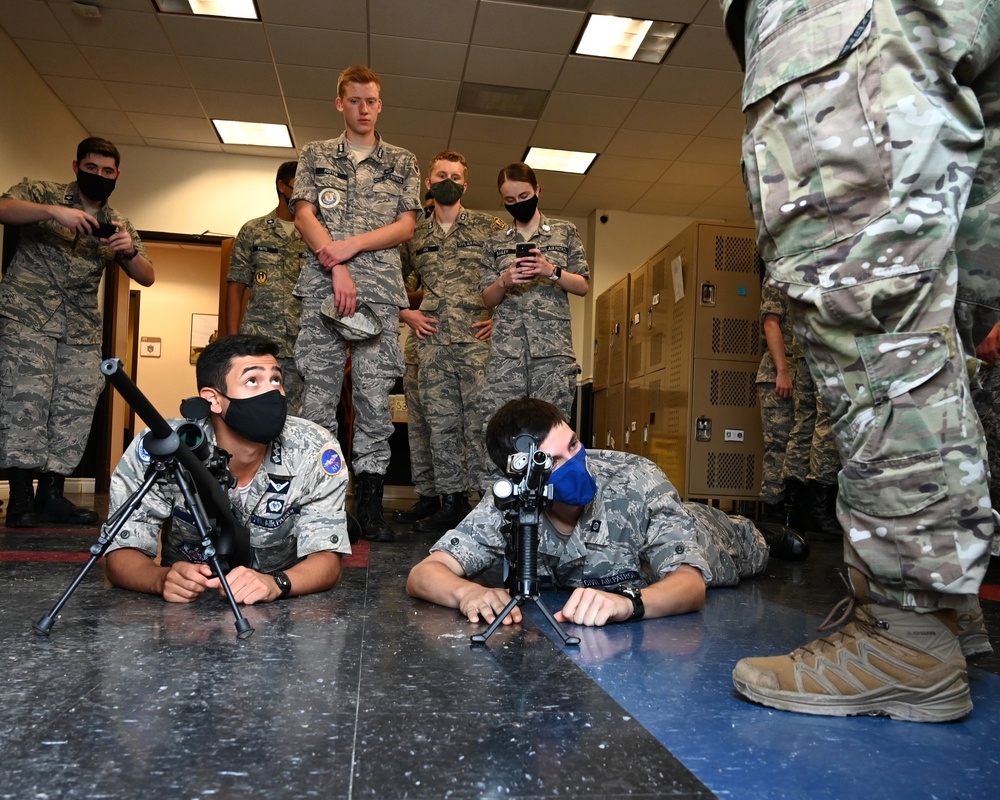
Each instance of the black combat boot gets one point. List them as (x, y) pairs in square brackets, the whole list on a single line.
[(52, 506), (796, 505), (21, 506), (823, 524), (783, 542), (423, 508), (369, 488), (454, 508), (774, 512)]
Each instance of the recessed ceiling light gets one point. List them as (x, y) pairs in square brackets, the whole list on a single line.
[(260, 134), (241, 9), (627, 39), (559, 160)]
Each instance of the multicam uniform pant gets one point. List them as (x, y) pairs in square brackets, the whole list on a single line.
[(869, 125)]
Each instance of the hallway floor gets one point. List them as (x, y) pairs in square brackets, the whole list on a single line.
[(365, 692)]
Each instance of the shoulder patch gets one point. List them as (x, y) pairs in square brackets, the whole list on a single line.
[(331, 462), (416, 166), (498, 224)]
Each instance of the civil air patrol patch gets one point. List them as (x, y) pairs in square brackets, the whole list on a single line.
[(275, 506), (595, 526), (329, 198), (142, 452), (498, 224), (278, 484), (331, 461), (260, 277)]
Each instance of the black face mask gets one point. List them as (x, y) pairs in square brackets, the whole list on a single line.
[(95, 187), (260, 418), (446, 192), (523, 211)]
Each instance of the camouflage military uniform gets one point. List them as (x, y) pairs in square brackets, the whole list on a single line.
[(812, 452), (350, 200), (636, 519), (295, 506), (418, 433), (776, 412), (267, 258), (452, 360), (531, 348), (870, 124), (50, 335)]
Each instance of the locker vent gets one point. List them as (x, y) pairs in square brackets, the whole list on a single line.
[(732, 471), (736, 254), (736, 336), (733, 388)]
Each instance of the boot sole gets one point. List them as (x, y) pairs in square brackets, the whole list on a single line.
[(946, 700)]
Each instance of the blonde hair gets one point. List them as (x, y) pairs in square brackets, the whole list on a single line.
[(450, 155)]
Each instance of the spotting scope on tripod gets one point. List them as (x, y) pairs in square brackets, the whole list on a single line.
[(522, 497), (186, 458)]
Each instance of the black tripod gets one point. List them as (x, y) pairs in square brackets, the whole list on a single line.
[(173, 459), (529, 498)]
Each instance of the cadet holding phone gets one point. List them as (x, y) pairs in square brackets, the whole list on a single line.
[(50, 328), (527, 271)]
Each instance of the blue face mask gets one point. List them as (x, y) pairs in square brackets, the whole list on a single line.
[(571, 483)]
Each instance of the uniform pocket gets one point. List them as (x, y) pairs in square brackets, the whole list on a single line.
[(815, 155)]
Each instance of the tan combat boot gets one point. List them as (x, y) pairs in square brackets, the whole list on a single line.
[(885, 661)]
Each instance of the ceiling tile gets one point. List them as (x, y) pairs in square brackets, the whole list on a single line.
[(521, 68), (177, 144), (314, 83), (122, 30), (82, 92), (230, 75), (729, 123), (649, 115), (187, 129), (638, 143), (172, 100), (496, 153), (31, 20), (679, 193), (416, 121), (589, 138), (478, 128), (216, 38), (581, 109), (628, 168), (107, 120), (284, 153), (246, 107), (432, 20), (316, 47), (543, 30), (700, 46), (606, 193), (396, 56), (715, 175), (405, 92), (555, 189), (131, 66), (303, 134), (675, 11), (704, 150), (605, 76), (708, 87), (56, 58), (315, 113), (342, 15)]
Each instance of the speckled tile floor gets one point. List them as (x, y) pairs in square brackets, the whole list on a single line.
[(365, 692)]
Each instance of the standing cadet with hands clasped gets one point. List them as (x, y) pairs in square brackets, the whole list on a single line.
[(356, 199), (50, 328)]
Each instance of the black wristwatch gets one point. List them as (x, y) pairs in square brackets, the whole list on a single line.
[(635, 595), (284, 584), (556, 274)]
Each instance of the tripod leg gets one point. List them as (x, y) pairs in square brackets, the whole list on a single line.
[(567, 639), (108, 534), (480, 638), (243, 629)]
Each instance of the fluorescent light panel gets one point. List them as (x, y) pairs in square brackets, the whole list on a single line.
[(573, 161), (240, 9), (261, 134), (628, 39)]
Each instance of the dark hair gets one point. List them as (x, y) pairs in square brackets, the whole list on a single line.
[(356, 74), (99, 147), (428, 196), (286, 171), (217, 358), (518, 171), (525, 415)]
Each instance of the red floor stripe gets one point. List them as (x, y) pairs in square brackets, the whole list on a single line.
[(989, 592)]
